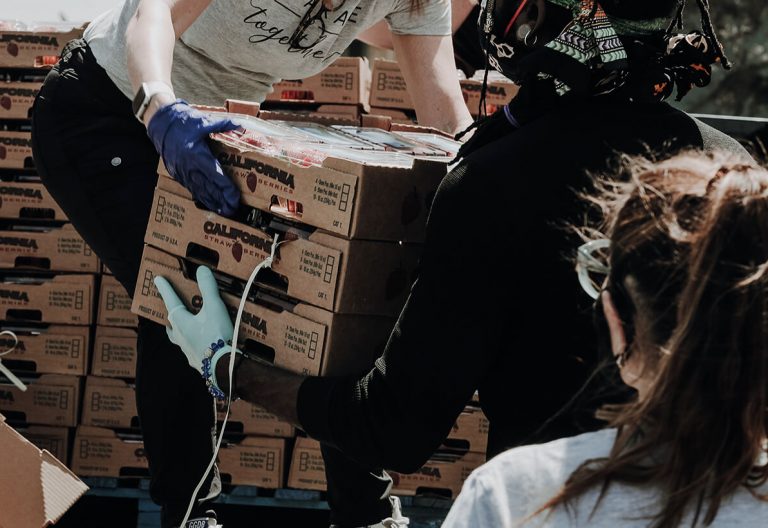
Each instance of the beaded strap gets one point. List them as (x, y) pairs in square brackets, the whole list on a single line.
[(212, 355)]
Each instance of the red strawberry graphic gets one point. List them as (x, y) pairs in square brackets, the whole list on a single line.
[(2, 152), (237, 251), (5, 102), (251, 181), (13, 48)]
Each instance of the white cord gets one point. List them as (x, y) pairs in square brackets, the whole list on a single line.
[(266, 263), (3, 369)]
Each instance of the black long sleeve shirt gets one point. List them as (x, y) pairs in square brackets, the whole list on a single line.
[(497, 306)]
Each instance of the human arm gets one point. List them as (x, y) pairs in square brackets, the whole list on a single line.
[(430, 73), (150, 39), (178, 131)]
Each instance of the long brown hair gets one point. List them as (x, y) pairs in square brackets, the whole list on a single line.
[(692, 232)]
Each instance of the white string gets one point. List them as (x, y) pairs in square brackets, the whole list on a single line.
[(266, 263), (3, 369)]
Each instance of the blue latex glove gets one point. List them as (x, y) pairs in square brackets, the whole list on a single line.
[(195, 334), (180, 134)]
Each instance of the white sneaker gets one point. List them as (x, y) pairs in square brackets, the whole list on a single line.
[(208, 521)]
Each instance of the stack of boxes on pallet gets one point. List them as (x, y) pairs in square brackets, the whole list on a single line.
[(338, 93), (390, 97), (109, 418), (47, 272)]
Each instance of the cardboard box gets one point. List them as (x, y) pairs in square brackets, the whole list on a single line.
[(99, 452), (36, 489), (114, 352), (348, 198), (56, 249), (16, 99), (251, 419), (388, 89), (28, 200), (345, 81), (499, 93), (55, 349), (51, 399), (253, 461), (115, 304), (339, 275), (298, 337), (15, 150), (109, 402), (35, 46), (55, 440), (65, 299), (470, 432), (307, 469), (441, 477), (326, 114), (405, 117)]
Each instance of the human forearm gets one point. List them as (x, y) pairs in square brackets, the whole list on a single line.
[(428, 66), (263, 384)]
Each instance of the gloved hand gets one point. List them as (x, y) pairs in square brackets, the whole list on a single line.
[(197, 334), (180, 133)]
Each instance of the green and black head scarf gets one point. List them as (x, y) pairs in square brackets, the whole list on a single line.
[(564, 50)]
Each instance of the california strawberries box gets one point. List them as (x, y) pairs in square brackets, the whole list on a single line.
[(344, 276), (16, 99), (47, 349), (64, 299), (293, 335), (357, 183), (51, 248), (33, 45), (28, 200)]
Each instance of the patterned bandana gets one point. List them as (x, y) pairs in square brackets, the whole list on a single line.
[(590, 37)]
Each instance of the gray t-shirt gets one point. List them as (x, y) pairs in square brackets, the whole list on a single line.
[(510, 487), (239, 48)]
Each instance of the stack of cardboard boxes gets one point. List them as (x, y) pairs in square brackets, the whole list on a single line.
[(47, 271), (329, 301), (390, 97), (107, 443), (338, 94), (353, 232)]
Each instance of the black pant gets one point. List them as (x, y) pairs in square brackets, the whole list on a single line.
[(98, 163)]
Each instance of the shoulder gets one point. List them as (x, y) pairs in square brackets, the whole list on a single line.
[(554, 460), (540, 470)]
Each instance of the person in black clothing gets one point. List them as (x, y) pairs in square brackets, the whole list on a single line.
[(496, 306)]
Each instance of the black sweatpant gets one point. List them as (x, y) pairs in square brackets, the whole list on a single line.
[(97, 161), (497, 305)]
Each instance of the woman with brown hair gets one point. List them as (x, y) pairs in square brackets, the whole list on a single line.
[(685, 304)]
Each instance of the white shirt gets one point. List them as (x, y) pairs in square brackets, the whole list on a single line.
[(239, 48), (507, 489)]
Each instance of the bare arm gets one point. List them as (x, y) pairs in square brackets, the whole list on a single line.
[(264, 384), (150, 39), (430, 72)]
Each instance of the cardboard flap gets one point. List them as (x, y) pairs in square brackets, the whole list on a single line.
[(61, 488), (97, 381), (98, 432), (115, 331), (37, 489)]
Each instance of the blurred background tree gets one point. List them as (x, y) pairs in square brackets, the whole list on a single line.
[(742, 26)]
